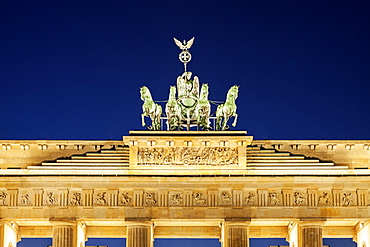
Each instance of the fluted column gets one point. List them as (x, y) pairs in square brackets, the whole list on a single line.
[(64, 232), (311, 234), (8, 234), (139, 234), (363, 234), (235, 234)]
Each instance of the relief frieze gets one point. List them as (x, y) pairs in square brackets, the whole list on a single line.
[(185, 198), (192, 156)]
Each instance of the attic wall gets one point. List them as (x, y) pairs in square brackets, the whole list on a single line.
[(353, 153)]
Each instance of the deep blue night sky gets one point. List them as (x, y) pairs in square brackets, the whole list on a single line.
[(72, 69)]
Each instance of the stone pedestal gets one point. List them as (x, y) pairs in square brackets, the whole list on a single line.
[(64, 232), (235, 234), (139, 234)]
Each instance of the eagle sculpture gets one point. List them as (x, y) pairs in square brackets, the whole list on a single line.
[(185, 45)]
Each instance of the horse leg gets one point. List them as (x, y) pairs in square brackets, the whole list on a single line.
[(157, 122), (226, 118), (235, 119), (142, 120)]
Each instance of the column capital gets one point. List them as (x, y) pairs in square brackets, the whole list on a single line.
[(311, 223), (67, 221), (139, 233), (138, 222), (241, 222)]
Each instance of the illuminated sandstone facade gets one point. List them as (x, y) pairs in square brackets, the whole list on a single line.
[(185, 184)]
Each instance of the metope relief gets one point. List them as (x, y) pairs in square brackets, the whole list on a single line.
[(299, 198), (75, 199), (24, 198), (198, 199), (3, 198), (250, 199), (150, 199), (101, 198), (347, 199), (51, 198), (125, 198), (192, 156), (176, 199), (274, 199), (226, 198), (324, 198)]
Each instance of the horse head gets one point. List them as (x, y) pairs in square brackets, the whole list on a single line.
[(233, 92), (145, 93)]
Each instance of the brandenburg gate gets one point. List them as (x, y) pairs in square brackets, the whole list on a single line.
[(185, 177)]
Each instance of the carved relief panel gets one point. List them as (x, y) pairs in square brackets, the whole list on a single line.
[(299, 198), (250, 198), (199, 198), (176, 199), (25, 198), (125, 198), (51, 198), (75, 198), (100, 198), (274, 198), (324, 198), (225, 198), (151, 199), (188, 156), (349, 198), (4, 198)]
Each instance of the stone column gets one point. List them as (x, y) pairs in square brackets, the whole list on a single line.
[(64, 232), (235, 234), (363, 234), (139, 234), (8, 234), (311, 233)]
